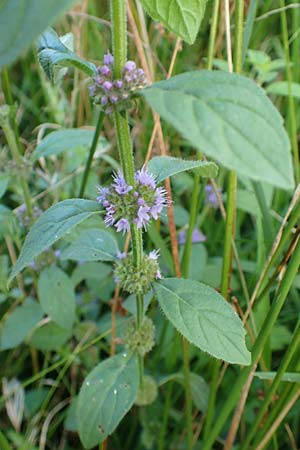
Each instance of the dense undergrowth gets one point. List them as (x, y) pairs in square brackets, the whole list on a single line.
[(149, 225)]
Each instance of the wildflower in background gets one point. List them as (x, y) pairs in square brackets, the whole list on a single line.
[(23, 216), (137, 280), (137, 204), (211, 197), (197, 236), (112, 94)]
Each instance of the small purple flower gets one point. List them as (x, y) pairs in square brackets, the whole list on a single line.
[(158, 275), (130, 66), (121, 255), (113, 98), (104, 70), (108, 59), (146, 178), (120, 185), (109, 220), (104, 100), (142, 216), (154, 254), (118, 84), (57, 253), (92, 89), (33, 265), (211, 197), (107, 85), (122, 225), (103, 191)]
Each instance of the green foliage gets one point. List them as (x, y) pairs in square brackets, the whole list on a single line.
[(92, 245), (57, 297), (166, 166), (204, 318), (21, 21), (107, 394), (199, 388), (52, 52), (51, 226), (50, 337), (19, 324), (287, 376), (182, 17), (65, 139), (282, 88), (229, 118)]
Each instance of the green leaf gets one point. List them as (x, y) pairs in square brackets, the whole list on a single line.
[(50, 337), (52, 51), (57, 142), (292, 377), (182, 17), (21, 21), (199, 388), (204, 318), (57, 297), (166, 166), (19, 324), (90, 271), (282, 88), (107, 394), (92, 245), (51, 226), (229, 118)]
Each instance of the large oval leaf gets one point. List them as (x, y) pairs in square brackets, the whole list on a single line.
[(166, 166), (57, 296), (204, 318), (58, 141), (107, 394), (183, 17), (229, 118), (92, 245), (51, 226), (21, 21)]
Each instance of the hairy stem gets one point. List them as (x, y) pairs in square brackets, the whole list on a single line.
[(119, 40)]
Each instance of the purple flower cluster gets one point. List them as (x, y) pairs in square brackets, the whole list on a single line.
[(114, 94), (211, 198), (138, 204)]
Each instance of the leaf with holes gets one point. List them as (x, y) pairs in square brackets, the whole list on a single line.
[(229, 118), (166, 166), (204, 318), (57, 296), (182, 17), (107, 394), (51, 226), (92, 245)]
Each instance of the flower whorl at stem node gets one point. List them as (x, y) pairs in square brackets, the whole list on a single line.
[(137, 204), (141, 339), (114, 95), (137, 280)]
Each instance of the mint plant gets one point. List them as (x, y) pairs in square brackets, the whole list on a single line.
[(222, 115)]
